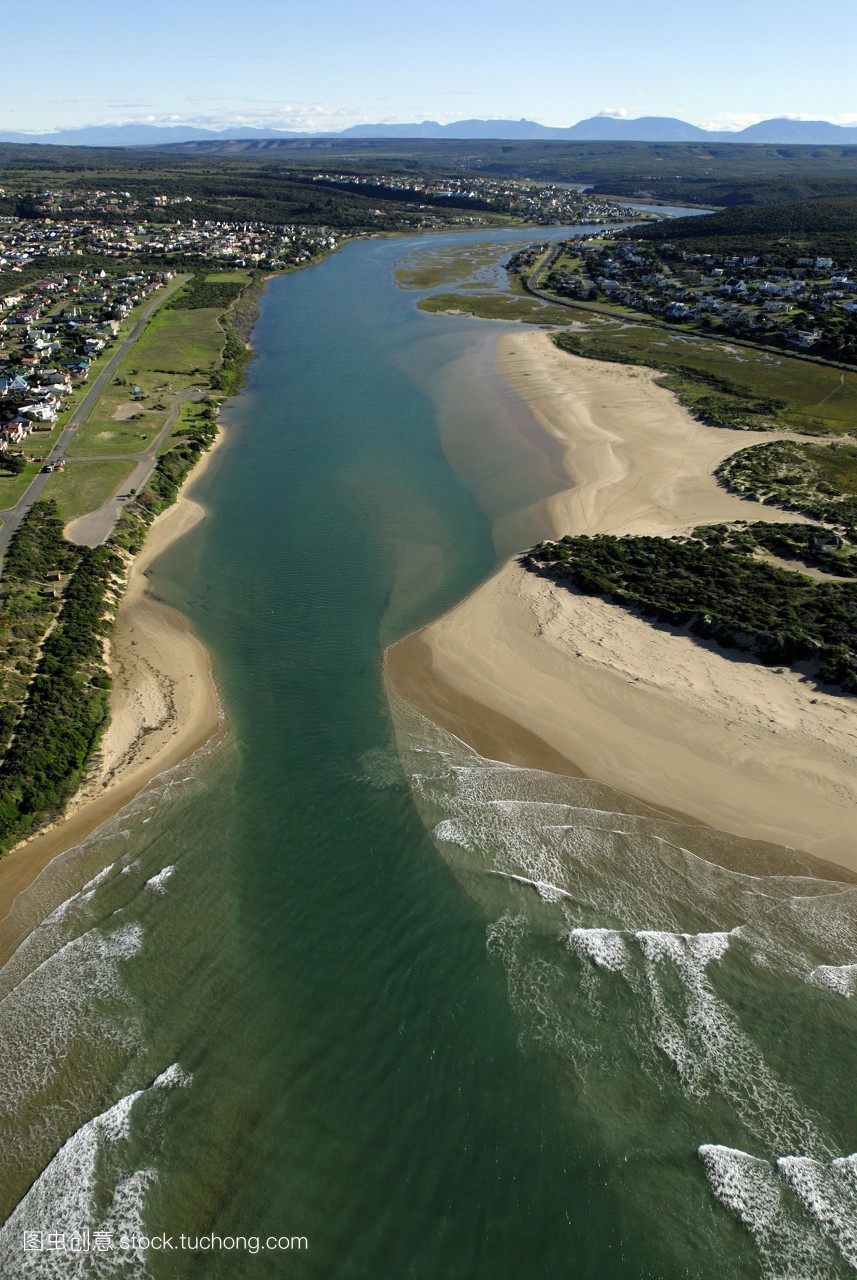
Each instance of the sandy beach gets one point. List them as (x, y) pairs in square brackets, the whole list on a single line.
[(533, 675), (164, 704)]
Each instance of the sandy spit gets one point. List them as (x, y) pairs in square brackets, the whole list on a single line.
[(164, 704), (537, 676)]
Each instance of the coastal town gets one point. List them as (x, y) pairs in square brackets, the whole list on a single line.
[(428, 645), (792, 301), (546, 204), (50, 335), (29, 242)]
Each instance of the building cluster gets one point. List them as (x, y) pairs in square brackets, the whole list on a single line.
[(50, 334), (240, 244), (541, 203), (806, 303)]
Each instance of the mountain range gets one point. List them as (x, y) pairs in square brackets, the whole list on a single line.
[(777, 132)]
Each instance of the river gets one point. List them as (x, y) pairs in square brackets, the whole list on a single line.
[(286, 997)]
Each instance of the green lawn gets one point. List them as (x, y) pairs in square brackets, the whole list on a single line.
[(182, 343), (84, 486), (12, 488), (104, 437), (239, 277)]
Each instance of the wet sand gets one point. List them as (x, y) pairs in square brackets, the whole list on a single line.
[(534, 675)]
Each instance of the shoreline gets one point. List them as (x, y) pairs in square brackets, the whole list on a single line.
[(164, 703), (534, 675)]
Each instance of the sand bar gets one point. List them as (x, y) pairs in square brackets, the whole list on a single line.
[(164, 705), (534, 675)]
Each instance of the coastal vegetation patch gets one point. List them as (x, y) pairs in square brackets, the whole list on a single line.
[(496, 306), (818, 480), (811, 545), (37, 563), (52, 726), (430, 268), (725, 384), (715, 590)]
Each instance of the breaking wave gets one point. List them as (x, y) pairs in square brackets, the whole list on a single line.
[(674, 971)]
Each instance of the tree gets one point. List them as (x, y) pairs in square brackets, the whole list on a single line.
[(14, 463)]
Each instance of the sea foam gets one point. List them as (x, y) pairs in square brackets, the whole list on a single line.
[(87, 1187)]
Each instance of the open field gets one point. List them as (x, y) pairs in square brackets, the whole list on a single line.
[(182, 343), (83, 486), (12, 488), (178, 351), (236, 277), (815, 399)]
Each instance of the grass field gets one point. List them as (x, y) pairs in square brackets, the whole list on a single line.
[(179, 350), (181, 343), (13, 488), (84, 486), (818, 399), (237, 277)]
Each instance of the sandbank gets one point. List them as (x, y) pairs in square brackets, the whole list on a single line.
[(535, 675), (164, 704)]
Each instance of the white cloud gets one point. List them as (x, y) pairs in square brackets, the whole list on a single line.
[(616, 113)]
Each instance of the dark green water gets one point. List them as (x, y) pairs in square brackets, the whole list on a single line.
[(332, 981)]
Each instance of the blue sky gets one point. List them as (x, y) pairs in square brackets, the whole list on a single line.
[(326, 64)]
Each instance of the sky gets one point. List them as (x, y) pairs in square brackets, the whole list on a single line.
[(322, 65)]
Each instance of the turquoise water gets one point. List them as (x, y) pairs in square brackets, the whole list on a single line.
[(343, 980)]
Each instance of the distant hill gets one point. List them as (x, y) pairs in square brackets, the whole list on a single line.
[(776, 132), (140, 135)]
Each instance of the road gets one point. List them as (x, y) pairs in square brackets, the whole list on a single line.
[(13, 517), (96, 526)]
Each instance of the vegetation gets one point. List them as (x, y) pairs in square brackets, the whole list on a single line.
[(495, 306), (809, 545), (725, 385), (67, 702), (819, 480), (28, 605), (814, 227), (57, 599), (273, 181), (716, 591), (206, 291)]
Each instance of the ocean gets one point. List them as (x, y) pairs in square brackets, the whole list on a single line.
[(342, 999)]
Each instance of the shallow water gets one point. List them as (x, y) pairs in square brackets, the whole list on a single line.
[(343, 980)]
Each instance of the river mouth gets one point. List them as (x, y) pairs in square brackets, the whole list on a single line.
[(348, 983)]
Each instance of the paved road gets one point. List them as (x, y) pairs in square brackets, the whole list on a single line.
[(13, 517)]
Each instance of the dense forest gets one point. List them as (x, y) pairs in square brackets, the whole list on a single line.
[(817, 227), (52, 726)]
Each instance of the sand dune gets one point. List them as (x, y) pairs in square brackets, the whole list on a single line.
[(529, 673)]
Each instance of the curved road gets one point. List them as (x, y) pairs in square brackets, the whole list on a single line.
[(14, 515)]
